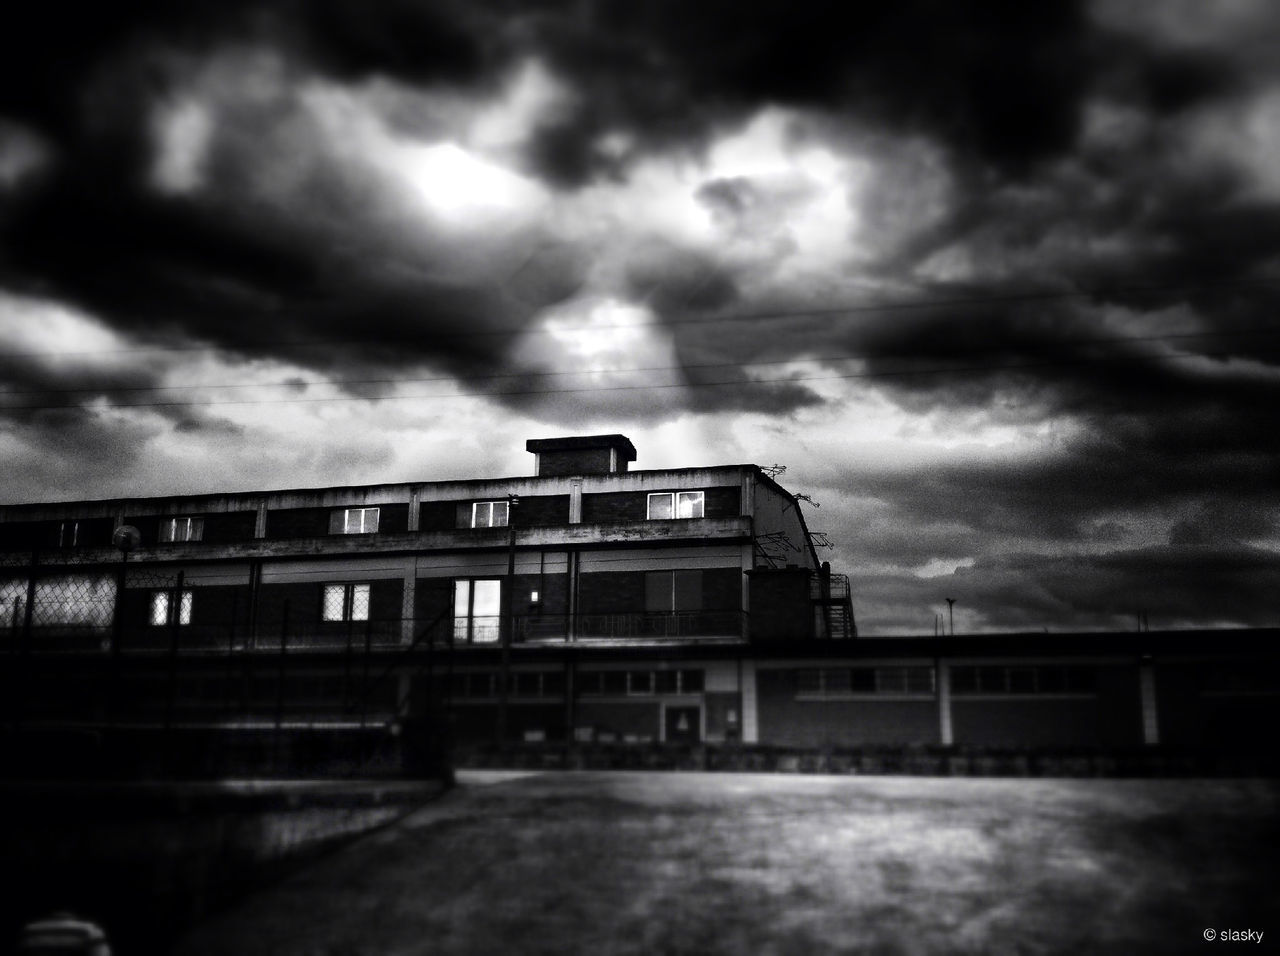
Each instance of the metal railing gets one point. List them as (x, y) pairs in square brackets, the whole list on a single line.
[(639, 625)]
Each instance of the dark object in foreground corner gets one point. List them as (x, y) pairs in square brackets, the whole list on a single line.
[(64, 935)]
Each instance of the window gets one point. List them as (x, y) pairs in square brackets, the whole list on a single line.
[(676, 504), (181, 529), (1040, 679), (640, 682), (489, 514), (477, 611), (68, 534), (621, 683), (162, 608), (345, 602), (666, 591), (844, 682), (354, 521)]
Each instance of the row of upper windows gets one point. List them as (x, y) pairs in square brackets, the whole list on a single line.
[(659, 506), (338, 602)]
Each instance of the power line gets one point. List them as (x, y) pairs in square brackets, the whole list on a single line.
[(342, 383), (759, 316), (904, 373)]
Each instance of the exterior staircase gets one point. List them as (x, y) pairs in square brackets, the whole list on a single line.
[(830, 595)]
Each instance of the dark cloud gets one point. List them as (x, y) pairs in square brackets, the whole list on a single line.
[(1084, 191)]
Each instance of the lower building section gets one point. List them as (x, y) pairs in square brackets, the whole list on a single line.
[(344, 705)]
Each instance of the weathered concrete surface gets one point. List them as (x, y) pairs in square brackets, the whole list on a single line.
[(741, 863)]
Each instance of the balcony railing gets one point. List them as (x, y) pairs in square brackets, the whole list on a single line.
[(375, 635), (664, 625)]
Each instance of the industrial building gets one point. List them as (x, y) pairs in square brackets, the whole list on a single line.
[(354, 629)]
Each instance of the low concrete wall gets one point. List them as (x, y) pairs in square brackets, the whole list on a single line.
[(147, 860), (915, 760)]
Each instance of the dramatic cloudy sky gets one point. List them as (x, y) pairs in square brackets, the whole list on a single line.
[(997, 282)]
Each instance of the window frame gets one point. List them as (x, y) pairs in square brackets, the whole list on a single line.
[(160, 608), (468, 632), (671, 591), (75, 534), (864, 681), (1032, 680), (356, 598), (194, 529), (343, 526), (674, 500), (491, 506)]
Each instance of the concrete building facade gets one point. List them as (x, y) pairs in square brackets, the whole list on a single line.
[(587, 604)]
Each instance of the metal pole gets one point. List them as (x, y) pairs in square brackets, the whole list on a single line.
[(284, 644), (507, 626), (175, 622)]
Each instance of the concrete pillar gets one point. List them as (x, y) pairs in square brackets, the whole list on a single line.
[(750, 721), (943, 678), (575, 501), (407, 605), (415, 502), (260, 522), (1150, 712)]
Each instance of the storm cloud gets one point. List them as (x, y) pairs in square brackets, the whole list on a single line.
[(999, 279)]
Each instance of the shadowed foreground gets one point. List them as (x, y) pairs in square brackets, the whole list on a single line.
[(710, 863)]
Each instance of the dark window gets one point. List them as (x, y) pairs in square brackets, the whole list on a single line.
[(691, 682), (553, 683), (667, 682), (640, 682), (614, 682), (1022, 680), (672, 591)]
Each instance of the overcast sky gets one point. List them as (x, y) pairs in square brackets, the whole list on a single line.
[(997, 283)]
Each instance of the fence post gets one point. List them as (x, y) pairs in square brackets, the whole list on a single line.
[(175, 623), (280, 671), (17, 704), (29, 610), (228, 707), (364, 696)]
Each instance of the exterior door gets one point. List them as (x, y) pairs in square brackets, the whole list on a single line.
[(684, 725)]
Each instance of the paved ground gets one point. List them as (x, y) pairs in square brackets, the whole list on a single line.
[(746, 864)]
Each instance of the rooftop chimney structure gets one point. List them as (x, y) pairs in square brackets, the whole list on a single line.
[(581, 455)]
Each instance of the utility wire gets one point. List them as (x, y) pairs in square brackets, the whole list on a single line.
[(342, 383), (836, 311), (903, 373)]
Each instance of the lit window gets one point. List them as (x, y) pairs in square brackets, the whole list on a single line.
[(489, 514), (181, 529), (345, 602), (354, 521), (162, 608), (676, 504), (477, 611)]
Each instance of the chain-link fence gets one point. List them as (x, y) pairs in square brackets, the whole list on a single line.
[(175, 661)]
